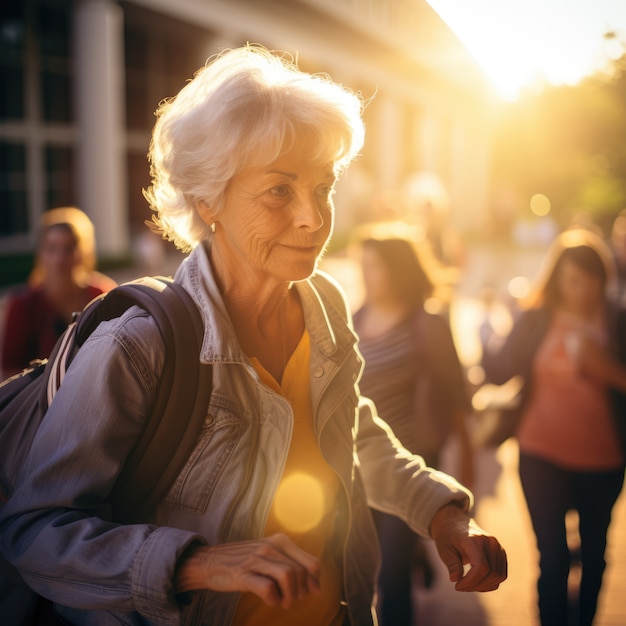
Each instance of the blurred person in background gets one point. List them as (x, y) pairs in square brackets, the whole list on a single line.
[(413, 374), (62, 281), (569, 346), (427, 204), (618, 247)]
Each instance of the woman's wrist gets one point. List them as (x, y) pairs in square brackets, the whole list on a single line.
[(453, 513), (190, 569)]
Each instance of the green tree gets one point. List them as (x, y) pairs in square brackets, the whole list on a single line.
[(568, 143)]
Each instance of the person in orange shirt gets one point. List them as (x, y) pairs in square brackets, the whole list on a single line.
[(569, 345)]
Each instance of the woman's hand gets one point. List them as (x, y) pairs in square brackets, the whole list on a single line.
[(274, 568), (599, 365), (460, 541)]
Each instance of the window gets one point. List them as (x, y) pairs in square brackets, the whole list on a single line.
[(139, 109), (13, 209), (12, 50), (54, 39)]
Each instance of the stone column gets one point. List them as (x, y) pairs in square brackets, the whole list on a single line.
[(99, 108)]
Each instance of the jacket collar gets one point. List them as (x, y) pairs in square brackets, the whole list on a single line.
[(322, 301)]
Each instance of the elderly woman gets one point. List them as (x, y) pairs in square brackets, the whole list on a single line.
[(268, 521)]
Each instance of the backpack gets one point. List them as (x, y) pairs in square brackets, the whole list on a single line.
[(167, 440)]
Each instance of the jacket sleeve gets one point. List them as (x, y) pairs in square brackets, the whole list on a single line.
[(394, 480), (515, 356), (398, 482), (56, 528)]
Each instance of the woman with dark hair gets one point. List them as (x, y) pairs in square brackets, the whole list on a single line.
[(569, 346), (412, 372)]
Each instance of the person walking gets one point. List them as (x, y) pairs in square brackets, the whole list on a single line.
[(569, 346), (413, 375), (268, 521)]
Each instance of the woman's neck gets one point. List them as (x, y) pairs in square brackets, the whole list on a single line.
[(65, 294), (268, 329), (58, 282), (266, 314), (581, 315)]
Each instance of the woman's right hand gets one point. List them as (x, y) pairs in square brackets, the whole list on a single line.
[(274, 568), (600, 365)]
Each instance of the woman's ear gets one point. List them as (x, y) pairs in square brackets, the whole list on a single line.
[(205, 212)]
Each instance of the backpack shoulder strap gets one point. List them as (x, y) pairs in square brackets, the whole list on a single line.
[(179, 409)]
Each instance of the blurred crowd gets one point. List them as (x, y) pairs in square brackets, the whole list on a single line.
[(550, 370)]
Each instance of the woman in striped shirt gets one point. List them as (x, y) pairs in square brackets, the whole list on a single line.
[(413, 374)]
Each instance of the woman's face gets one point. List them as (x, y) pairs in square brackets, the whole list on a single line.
[(275, 221), (376, 278), (580, 290), (58, 252)]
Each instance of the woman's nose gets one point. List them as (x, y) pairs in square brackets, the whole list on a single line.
[(308, 213)]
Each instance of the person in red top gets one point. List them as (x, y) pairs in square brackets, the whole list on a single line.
[(570, 348), (63, 280)]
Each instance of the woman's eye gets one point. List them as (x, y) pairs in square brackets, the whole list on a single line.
[(325, 191), (280, 191)]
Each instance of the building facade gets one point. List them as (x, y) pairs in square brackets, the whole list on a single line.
[(81, 81)]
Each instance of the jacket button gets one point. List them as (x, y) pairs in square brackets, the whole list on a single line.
[(318, 372)]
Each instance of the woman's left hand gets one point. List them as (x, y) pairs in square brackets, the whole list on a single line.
[(460, 542)]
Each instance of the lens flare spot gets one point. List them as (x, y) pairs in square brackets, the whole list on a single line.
[(540, 205), (299, 503), (519, 287)]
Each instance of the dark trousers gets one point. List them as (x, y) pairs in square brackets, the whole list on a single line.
[(551, 492), (397, 542)]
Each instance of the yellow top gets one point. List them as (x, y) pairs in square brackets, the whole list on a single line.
[(303, 508)]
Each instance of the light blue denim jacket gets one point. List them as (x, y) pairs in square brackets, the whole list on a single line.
[(56, 528)]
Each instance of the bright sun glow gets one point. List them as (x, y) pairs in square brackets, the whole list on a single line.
[(523, 43)]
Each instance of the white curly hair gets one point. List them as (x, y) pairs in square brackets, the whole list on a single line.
[(243, 108)]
